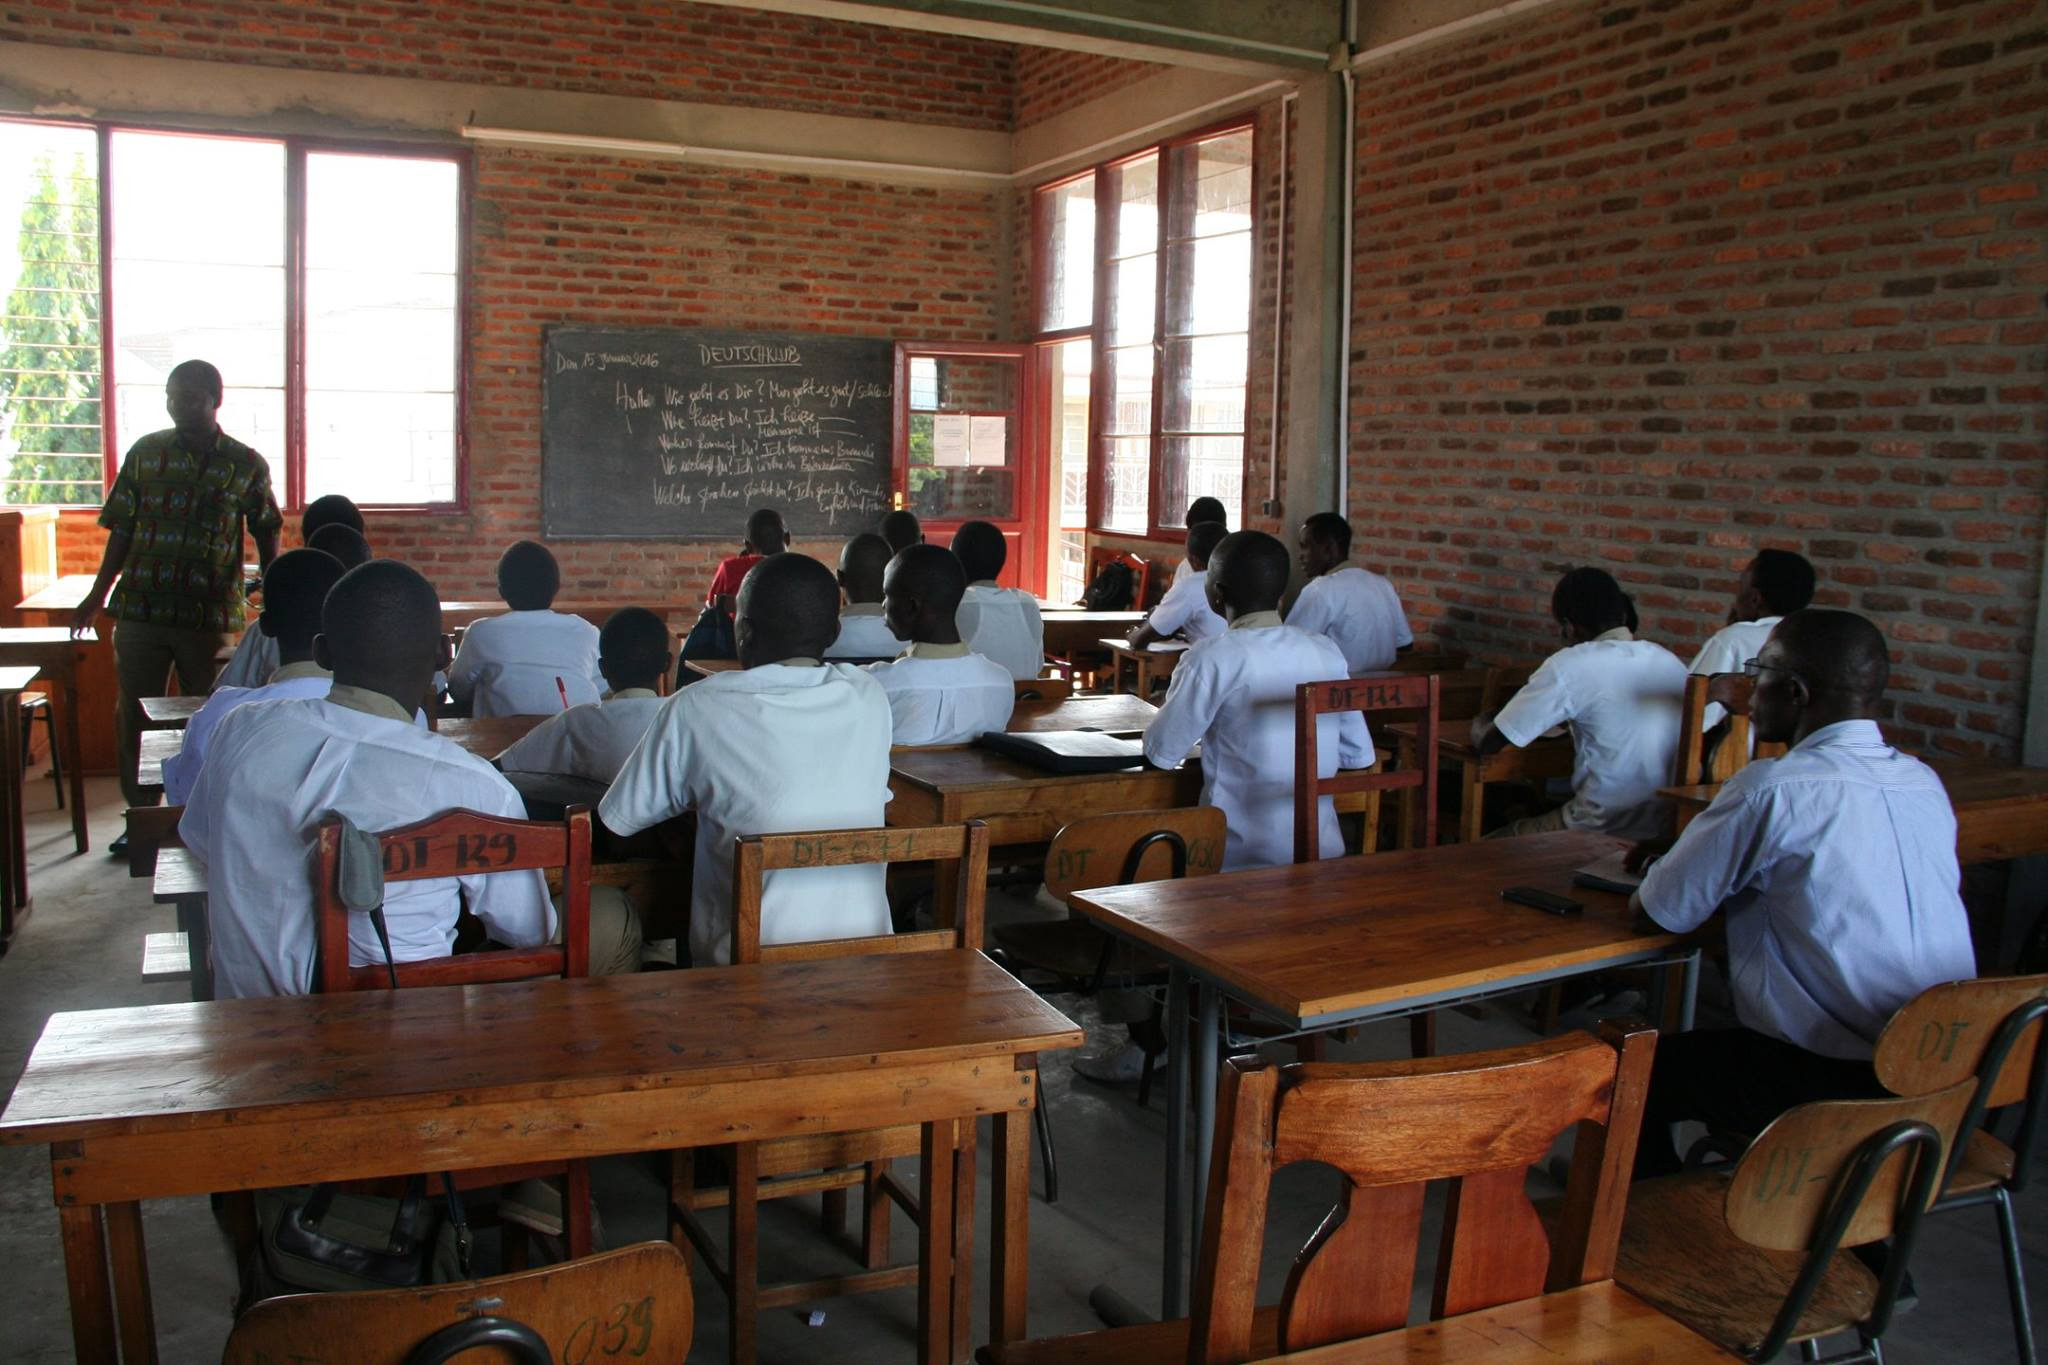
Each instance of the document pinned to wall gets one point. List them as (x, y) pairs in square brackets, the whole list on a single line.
[(952, 437), (989, 441)]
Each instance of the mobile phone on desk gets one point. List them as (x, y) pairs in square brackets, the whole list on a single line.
[(1536, 899)]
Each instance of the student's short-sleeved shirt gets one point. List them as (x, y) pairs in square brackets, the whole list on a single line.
[(184, 511), (1622, 697), (589, 741), (770, 750), (181, 770), (508, 664), (945, 694), (726, 579), (1003, 624), (1185, 609), (1360, 611), (1836, 865), (255, 659), (275, 771), (864, 634), (1727, 651)]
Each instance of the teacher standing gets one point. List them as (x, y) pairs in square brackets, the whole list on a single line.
[(174, 520)]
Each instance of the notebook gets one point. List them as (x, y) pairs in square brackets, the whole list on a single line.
[(1608, 874), (1067, 751)]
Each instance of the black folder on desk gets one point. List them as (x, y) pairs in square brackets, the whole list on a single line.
[(1067, 751)]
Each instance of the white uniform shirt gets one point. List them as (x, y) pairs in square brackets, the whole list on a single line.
[(1003, 624), (864, 634), (590, 741), (181, 769), (1235, 695), (945, 694), (770, 750), (1185, 609), (1730, 648), (508, 664), (1837, 867), (276, 770), (255, 659), (1622, 697), (1360, 611)]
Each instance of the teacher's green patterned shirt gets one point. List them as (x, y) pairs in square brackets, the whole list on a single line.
[(185, 510)]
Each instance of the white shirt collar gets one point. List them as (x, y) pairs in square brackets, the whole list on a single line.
[(797, 661), (1844, 732), (957, 650), (630, 693), (369, 703), (1619, 633), (1256, 620), (304, 668)]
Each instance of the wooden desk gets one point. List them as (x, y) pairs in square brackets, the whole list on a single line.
[(52, 652), (1545, 759), (2001, 812), (1593, 1322), (98, 689), (14, 901), (1069, 631), (246, 1094), (486, 737), (1020, 803), (1117, 715), (169, 713), (152, 748), (704, 668), (181, 882), (1318, 945), (1148, 665)]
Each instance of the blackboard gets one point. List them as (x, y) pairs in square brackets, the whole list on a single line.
[(665, 434)]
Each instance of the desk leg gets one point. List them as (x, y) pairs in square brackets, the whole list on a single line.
[(1689, 992), (198, 950), (1471, 804), (935, 1177), (74, 761), (92, 1293), (136, 1314), (14, 866), (1009, 1226), (1172, 1276), (1209, 1001), (968, 1131)]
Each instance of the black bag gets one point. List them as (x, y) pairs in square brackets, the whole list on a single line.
[(711, 637), (1114, 587)]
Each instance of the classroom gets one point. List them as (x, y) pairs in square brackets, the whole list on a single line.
[(960, 680)]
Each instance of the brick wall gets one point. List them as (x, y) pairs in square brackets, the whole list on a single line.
[(1649, 286), (1051, 80), (659, 49)]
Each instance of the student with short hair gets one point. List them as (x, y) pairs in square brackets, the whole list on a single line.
[(863, 624), (1836, 868), (255, 657), (901, 529), (940, 692), (1621, 697), (593, 741), (1354, 606), (997, 622), (1184, 611), (1234, 695), (532, 661), (1199, 511), (1773, 585), (276, 770), (786, 742), (345, 543), (766, 536)]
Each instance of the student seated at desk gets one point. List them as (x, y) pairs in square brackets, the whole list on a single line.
[(1355, 607), (940, 692), (1774, 585), (765, 537), (1199, 511), (531, 661), (1621, 697), (901, 529), (1234, 695), (999, 623), (1836, 867), (863, 628), (783, 743), (275, 771), (348, 545), (255, 657), (1185, 610), (593, 741)]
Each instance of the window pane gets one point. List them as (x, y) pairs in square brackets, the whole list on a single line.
[(1197, 467), (252, 416), (382, 245), (1130, 392), (50, 389), (1067, 420), (1208, 313), (1132, 302), (1210, 284), (1204, 385), (963, 448), (1213, 186), (1126, 487), (1068, 299), (1134, 187)]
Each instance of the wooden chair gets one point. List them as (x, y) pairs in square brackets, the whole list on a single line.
[(1756, 1259), (1479, 1120), (1395, 696), (1990, 1031), (631, 1303), (1426, 659), (1044, 689), (1736, 747), (831, 1163)]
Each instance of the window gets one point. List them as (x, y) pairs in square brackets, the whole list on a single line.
[(323, 282)]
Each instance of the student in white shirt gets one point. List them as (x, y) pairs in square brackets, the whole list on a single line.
[(1185, 611), (1234, 695), (901, 529), (864, 632), (1836, 868), (278, 768), (1199, 511), (785, 743), (1001, 623), (1621, 697), (940, 692), (293, 590), (1774, 585), (593, 741), (255, 657), (1355, 607), (531, 661)]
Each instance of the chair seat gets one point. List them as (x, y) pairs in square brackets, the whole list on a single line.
[(1149, 1341), (1678, 1254), (1986, 1164)]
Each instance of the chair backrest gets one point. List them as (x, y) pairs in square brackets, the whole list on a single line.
[(1988, 1030), (1134, 846), (755, 855), (631, 1303), (1731, 691), (1395, 696), (1389, 1128), (1044, 689), (1101, 557), (1459, 693), (460, 843), (1502, 682)]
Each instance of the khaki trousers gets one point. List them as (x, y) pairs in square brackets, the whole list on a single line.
[(144, 656), (614, 932), (1550, 822)]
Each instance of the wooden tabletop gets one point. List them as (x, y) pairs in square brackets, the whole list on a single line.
[(178, 875), (704, 668), (1067, 631), (45, 645), (1117, 714), (166, 1068), (487, 736), (1345, 936), (15, 679), (1602, 1322), (154, 746), (63, 595), (170, 713), (958, 768)]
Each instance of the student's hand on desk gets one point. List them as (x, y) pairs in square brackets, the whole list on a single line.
[(1645, 853)]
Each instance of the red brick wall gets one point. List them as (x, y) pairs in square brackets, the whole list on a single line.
[(1649, 286), (660, 49), (1051, 80)]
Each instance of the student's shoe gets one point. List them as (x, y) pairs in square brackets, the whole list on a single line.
[(1124, 1065), (119, 848)]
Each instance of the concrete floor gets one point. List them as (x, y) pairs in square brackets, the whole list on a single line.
[(81, 949)]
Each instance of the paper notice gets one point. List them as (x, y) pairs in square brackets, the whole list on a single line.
[(990, 443), (951, 434)]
